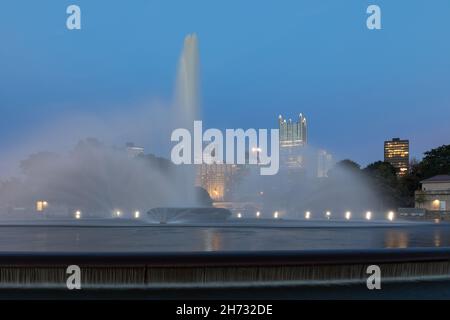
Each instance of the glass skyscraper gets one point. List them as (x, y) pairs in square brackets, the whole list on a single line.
[(293, 133)]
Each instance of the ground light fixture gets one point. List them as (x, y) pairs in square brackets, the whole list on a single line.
[(391, 216)]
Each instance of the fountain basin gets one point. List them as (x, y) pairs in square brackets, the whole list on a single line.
[(188, 215)]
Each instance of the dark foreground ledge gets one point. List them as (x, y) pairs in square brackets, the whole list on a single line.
[(228, 258), (221, 270)]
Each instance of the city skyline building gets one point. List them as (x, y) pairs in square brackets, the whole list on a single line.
[(293, 137), (396, 152), (218, 179), (133, 151), (324, 163), (293, 133)]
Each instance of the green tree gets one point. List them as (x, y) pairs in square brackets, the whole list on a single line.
[(383, 171), (348, 164), (435, 162), (383, 179), (420, 199), (37, 162)]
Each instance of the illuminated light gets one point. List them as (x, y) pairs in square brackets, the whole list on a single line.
[(348, 215), (239, 215), (328, 214), (78, 215), (118, 213), (258, 214), (307, 215), (41, 205), (256, 149), (436, 204), (391, 215), (368, 215), (275, 214), (137, 215)]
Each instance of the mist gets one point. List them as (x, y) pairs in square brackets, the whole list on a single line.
[(96, 179), (292, 192)]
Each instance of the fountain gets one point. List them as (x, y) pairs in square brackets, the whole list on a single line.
[(322, 251), (187, 104), (186, 110)]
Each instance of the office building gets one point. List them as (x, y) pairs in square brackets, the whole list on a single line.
[(396, 152)]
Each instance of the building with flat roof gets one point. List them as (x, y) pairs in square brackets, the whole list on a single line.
[(396, 152), (134, 151), (435, 194)]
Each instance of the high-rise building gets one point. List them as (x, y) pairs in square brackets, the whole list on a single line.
[(293, 136), (396, 152), (293, 133)]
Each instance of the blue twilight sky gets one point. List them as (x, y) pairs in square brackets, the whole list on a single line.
[(258, 59)]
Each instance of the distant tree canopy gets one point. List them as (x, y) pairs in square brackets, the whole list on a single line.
[(31, 166), (435, 162), (383, 171), (348, 164), (399, 191)]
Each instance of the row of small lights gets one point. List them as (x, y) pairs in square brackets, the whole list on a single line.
[(137, 214), (348, 215), (118, 214)]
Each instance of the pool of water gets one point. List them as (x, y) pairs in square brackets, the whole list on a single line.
[(136, 237)]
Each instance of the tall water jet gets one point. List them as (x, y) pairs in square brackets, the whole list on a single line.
[(187, 106), (187, 91)]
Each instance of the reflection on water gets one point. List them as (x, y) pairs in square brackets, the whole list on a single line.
[(212, 240), (396, 239), (168, 238), (437, 238)]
